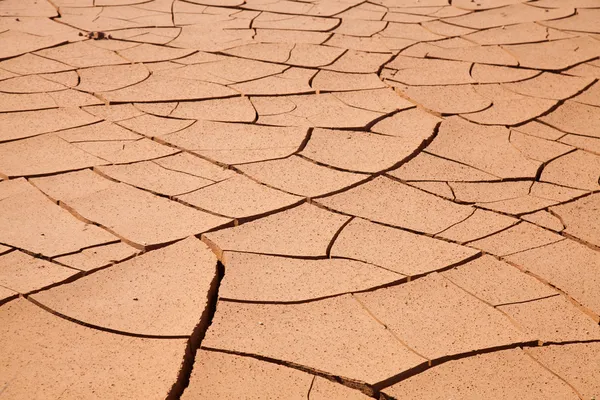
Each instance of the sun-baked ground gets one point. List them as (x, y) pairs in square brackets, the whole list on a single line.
[(285, 199)]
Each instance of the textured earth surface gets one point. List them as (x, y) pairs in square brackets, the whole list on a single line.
[(297, 199)]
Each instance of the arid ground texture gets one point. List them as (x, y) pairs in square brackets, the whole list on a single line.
[(299, 199)]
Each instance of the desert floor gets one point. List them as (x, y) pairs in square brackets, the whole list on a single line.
[(297, 199)]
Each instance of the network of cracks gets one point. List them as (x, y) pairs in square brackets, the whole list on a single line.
[(284, 199)]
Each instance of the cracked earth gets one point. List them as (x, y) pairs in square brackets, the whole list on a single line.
[(296, 199)]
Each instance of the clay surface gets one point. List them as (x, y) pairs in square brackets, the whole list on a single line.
[(299, 199), (138, 296), (62, 357), (505, 373)]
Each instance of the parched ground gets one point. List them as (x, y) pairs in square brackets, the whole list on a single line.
[(295, 199)]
